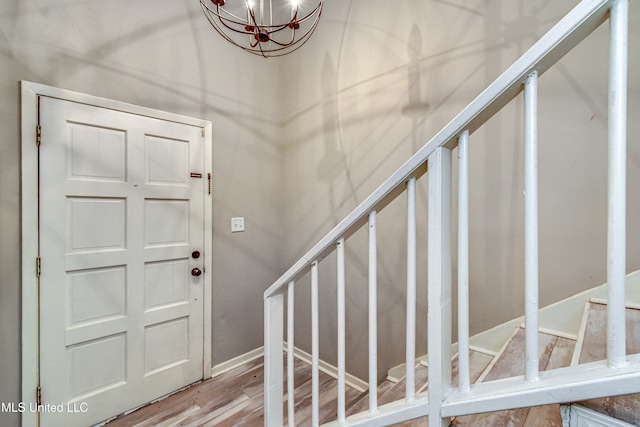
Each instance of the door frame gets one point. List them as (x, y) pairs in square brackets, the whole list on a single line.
[(30, 221)]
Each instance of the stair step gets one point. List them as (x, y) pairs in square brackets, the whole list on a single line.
[(398, 391), (554, 352), (510, 363), (595, 333), (389, 391), (627, 407), (362, 404), (478, 363)]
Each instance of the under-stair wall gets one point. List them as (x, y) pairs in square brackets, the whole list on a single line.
[(441, 401)]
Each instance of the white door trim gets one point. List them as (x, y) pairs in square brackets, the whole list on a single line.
[(29, 215)]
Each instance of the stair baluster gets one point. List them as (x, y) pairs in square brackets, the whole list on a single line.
[(411, 292), (616, 248), (464, 382), (531, 225), (373, 314)]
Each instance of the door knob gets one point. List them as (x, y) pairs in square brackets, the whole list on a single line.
[(196, 272)]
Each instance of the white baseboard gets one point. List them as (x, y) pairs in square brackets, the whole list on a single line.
[(302, 355), (398, 372), (223, 367), (483, 350), (628, 304), (332, 371), (550, 331)]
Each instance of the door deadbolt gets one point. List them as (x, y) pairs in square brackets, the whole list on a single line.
[(195, 254), (196, 272)]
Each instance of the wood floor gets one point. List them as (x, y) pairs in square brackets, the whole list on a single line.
[(234, 395), (236, 398)]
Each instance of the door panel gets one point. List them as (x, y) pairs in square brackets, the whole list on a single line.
[(121, 315)]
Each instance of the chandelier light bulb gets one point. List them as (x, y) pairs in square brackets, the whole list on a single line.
[(268, 28)]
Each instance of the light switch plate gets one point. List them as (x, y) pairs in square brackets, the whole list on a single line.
[(237, 224)]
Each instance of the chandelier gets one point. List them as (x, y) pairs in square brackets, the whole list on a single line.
[(268, 28)]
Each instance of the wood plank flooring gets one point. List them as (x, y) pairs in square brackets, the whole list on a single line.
[(236, 398)]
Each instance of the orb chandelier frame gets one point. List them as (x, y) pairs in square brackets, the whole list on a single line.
[(251, 27)]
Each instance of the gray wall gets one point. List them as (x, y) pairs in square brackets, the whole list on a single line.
[(348, 126), (162, 55)]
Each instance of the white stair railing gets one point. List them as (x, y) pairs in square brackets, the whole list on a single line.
[(618, 375)]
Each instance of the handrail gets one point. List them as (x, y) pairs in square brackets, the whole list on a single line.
[(563, 37)]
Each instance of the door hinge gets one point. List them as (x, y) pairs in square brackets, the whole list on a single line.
[(38, 135), (39, 396), (209, 182), (38, 266), (202, 132)]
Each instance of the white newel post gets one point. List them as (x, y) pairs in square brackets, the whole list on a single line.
[(315, 348), (273, 360), (341, 331), (439, 282), (290, 356)]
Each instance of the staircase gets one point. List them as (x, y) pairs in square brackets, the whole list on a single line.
[(540, 376), (554, 352)]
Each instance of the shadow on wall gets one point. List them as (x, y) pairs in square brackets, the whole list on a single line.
[(168, 58), (342, 148), (376, 107), (363, 126)]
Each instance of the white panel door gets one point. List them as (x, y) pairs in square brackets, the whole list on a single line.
[(121, 291)]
